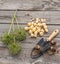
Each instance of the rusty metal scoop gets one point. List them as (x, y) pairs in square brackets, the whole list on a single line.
[(43, 45)]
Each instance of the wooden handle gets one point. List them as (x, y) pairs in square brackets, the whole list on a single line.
[(53, 34)]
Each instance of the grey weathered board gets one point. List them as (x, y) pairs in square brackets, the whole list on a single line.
[(30, 4), (27, 9)]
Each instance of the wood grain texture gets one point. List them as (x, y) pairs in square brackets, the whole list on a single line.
[(30, 5), (25, 55), (27, 9), (53, 22), (27, 45), (53, 18)]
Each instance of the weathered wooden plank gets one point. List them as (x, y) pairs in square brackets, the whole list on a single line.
[(30, 4), (27, 44), (11, 61), (53, 21), (25, 54), (5, 27), (53, 17)]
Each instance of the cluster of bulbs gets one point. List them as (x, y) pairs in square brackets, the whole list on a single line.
[(37, 26)]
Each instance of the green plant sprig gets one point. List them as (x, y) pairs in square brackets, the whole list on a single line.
[(20, 34), (14, 48), (8, 37), (11, 39), (12, 23)]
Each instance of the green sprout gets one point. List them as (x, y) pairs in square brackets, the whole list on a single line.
[(20, 35), (14, 48), (13, 36), (7, 38)]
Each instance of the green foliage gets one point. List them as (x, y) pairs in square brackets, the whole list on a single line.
[(14, 48), (20, 35), (13, 36), (7, 38)]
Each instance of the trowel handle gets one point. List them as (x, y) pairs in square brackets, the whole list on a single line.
[(54, 33)]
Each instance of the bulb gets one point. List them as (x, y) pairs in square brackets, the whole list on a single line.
[(32, 35), (46, 30), (43, 20), (34, 29), (34, 24), (41, 33), (29, 24), (30, 31), (31, 27), (45, 27), (26, 28), (44, 24), (39, 24)]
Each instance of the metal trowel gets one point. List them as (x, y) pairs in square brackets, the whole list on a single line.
[(43, 45)]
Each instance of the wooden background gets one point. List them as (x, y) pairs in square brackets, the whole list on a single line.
[(27, 9)]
